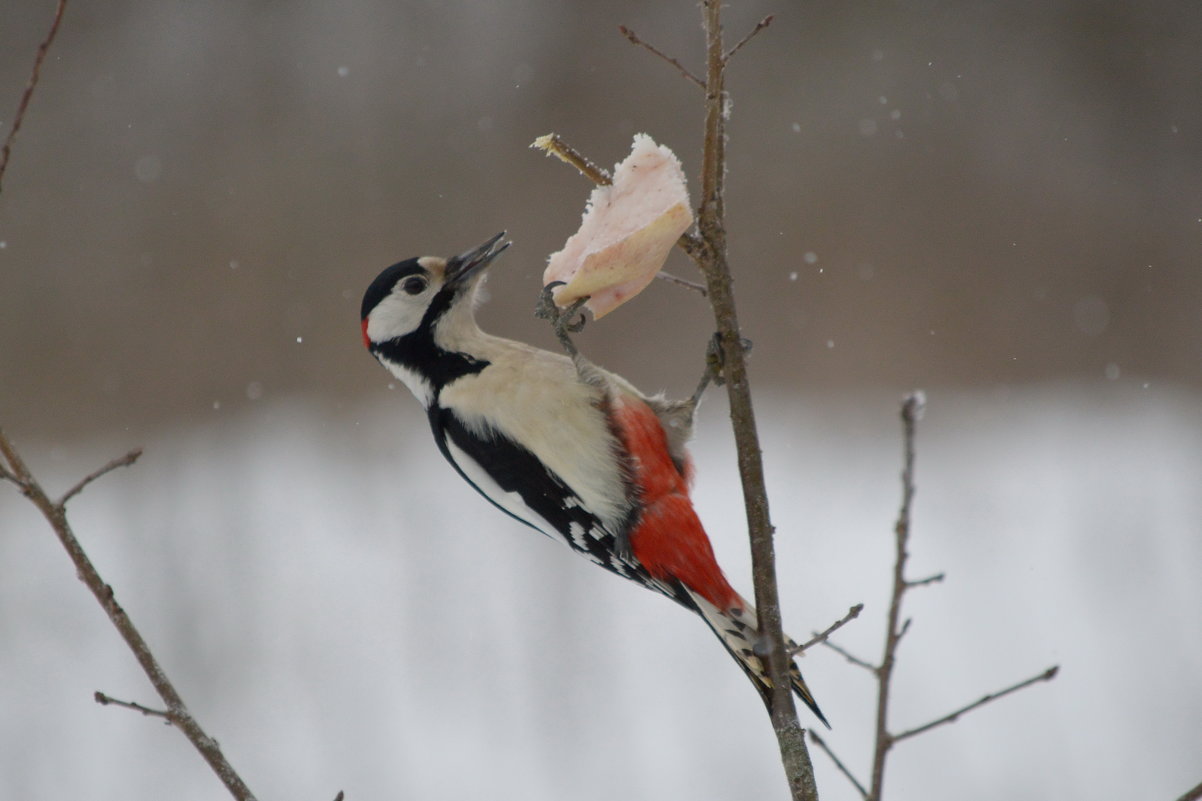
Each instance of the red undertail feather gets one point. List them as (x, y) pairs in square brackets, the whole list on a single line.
[(668, 538), (671, 544)]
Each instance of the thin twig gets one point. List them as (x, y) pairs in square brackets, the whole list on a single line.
[(1192, 795), (635, 40), (850, 657), (120, 461), (925, 581), (27, 95), (1047, 675), (764, 23), (177, 712), (663, 276), (105, 700), (553, 145), (818, 741), (911, 411), (851, 615)]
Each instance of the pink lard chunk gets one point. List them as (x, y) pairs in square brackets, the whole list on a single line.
[(626, 233)]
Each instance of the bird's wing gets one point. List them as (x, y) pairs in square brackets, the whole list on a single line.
[(519, 484)]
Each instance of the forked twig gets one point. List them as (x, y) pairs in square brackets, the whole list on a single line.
[(712, 258), (56, 515), (911, 411), (635, 40), (708, 250)]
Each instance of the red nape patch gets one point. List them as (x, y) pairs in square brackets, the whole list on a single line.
[(366, 340), (668, 539)]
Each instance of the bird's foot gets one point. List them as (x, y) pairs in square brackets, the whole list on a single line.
[(563, 321), (714, 365)]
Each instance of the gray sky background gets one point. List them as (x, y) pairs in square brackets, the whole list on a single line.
[(991, 194)]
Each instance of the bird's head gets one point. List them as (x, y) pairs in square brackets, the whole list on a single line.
[(415, 295)]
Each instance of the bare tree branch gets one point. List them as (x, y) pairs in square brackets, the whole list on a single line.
[(106, 700), (818, 741), (635, 40), (177, 713), (120, 461), (1047, 675), (764, 23), (708, 250), (27, 95), (911, 411), (851, 615), (711, 228)]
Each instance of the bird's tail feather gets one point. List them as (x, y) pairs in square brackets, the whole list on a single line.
[(740, 635)]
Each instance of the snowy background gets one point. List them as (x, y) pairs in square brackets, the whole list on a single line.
[(1000, 203), (343, 613)]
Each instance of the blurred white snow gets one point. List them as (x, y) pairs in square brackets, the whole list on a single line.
[(342, 612)]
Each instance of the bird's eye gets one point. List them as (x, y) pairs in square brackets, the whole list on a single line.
[(414, 285)]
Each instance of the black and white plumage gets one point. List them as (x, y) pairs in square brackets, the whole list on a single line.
[(559, 444)]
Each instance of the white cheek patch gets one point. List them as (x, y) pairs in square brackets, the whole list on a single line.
[(395, 316)]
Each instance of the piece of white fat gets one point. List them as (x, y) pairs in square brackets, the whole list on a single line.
[(626, 233)]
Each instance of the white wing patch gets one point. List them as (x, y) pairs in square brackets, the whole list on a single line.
[(509, 501)]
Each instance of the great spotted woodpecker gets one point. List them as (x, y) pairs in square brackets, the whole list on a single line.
[(558, 443)]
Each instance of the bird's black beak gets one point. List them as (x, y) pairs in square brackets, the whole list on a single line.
[(463, 267)]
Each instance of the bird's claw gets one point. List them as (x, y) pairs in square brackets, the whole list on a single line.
[(715, 363), (546, 309), (565, 321), (714, 360)]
